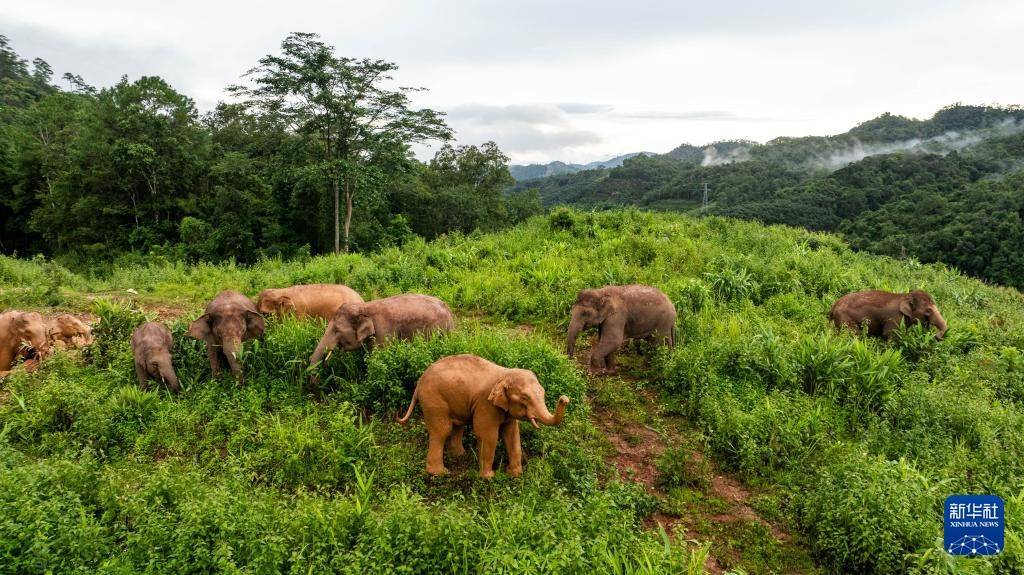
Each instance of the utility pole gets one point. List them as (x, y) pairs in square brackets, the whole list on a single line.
[(704, 203)]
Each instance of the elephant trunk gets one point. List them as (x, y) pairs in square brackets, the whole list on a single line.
[(547, 418), (574, 330), (940, 325), (318, 354), (233, 351)]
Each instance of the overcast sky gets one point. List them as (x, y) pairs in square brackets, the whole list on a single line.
[(577, 80)]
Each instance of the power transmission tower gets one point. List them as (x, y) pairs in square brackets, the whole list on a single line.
[(704, 203)]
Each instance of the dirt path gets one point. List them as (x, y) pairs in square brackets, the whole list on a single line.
[(714, 507)]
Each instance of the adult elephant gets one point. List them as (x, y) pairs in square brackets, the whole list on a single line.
[(229, 320), (379, 321), (462, 390), (880, 313), (618, 313), (309, 300), (22, 334), (67, 331)]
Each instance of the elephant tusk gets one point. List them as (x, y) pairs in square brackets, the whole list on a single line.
[(534, 422)]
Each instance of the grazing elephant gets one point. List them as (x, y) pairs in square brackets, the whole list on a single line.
[(882, 312), (230, 319), (22, 334), (317, 300), (462, 390), (67, 331), (151, 346), (620, 312), (400, 316)]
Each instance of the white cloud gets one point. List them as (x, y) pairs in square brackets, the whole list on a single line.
[(576, 80)]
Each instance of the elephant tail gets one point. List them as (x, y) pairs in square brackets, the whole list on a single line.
[(412, 404)]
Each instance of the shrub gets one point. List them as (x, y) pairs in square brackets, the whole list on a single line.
[(867, 515)]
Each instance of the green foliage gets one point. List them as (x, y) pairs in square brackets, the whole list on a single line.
[(866, 515), (95, 470), (937, 203), (132, 171)]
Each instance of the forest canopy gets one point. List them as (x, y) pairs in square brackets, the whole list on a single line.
[(90, 174)]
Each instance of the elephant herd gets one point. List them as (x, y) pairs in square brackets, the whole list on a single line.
[(453, 392)]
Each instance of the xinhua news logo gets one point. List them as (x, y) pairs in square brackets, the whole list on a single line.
[(974, 525)]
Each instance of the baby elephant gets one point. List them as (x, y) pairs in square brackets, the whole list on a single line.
[(620, 312), (465, 389), (67, 331), (151, 346), (882, 312), (230, 319), (400, 316), (313, 300)]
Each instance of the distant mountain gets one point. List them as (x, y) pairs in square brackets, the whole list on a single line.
[(949, 188), (556, 168)]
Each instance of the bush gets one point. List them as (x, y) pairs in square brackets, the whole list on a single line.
[(867, 515)]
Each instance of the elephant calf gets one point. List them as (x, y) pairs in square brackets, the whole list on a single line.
[(151, 347), (230, 319), (400, 316), (620, 312), (22, 334), (312, 300), (882, 312), (67, 331), (465, 389)]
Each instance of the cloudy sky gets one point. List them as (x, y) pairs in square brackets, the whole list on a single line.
[(575, 80)]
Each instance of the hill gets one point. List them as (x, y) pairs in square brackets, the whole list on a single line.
[(763, 443), (945, 189), (556, 168)]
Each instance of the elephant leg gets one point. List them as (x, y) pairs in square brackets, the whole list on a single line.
[(889, 327), (510, 434), (214, 355), (143, 375), (602, 356), (438, 432), (455, 447), (488, 434)]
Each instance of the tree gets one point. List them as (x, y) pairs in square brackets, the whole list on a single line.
[(344, 105)]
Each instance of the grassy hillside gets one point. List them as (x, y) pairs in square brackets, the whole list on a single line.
[(843, 449), (945, 189)]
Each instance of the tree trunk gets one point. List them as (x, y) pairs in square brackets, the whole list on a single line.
[(349, 193), (337, 209)]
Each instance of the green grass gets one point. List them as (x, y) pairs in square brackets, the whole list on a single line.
[(859, 440)]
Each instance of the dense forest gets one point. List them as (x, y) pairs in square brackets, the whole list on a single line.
[(310, 153), (949, 189)]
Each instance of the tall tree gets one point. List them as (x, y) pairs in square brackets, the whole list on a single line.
[(345, 105)]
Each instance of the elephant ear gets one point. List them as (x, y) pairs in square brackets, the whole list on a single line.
[(285, 302), (200, 328), (907, 306), (605, 306), (499, 394), (255, 325), (364, 327)]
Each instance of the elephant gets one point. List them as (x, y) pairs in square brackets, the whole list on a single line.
[(151, 347), (230, 319), (881, 312), (465, 389), (620, 312), (67, 331), (400, 316), (316, 300), (22, 334)]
